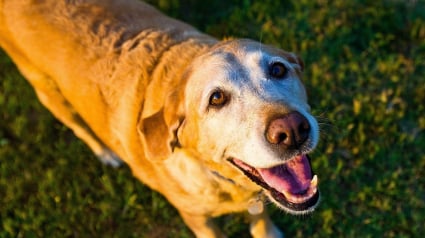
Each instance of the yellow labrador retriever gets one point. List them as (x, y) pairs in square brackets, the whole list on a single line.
[(215, 126)]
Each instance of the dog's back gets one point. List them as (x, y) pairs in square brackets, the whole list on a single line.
[(88, 59)]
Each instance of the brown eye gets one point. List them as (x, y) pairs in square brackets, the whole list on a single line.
[(278, 70), (218, 98)]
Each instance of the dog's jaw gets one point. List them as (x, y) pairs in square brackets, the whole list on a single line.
[(292, 186)]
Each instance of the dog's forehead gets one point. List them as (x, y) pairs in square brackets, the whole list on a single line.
[(249, 55), (242, 68), (242, 61)]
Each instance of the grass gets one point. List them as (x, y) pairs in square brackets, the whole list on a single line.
[(365, 74)]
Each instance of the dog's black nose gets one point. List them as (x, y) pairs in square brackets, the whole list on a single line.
[(289, 131)]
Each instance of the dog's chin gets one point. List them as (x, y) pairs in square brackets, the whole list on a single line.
[(292, 186)]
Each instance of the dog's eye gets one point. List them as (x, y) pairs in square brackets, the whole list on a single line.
[(218, 98), (278, 70)]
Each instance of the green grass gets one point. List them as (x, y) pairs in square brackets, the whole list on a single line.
[(365, 74)]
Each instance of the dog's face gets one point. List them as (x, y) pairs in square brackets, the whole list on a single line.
[(245, 107)]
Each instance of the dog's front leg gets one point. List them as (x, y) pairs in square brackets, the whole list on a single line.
[(202, 226), (262, 226)]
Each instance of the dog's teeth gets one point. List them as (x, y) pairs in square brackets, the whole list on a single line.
[(314, 181), (314, 191), (287, 194)]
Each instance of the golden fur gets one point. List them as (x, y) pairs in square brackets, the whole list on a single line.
[(129, 82)]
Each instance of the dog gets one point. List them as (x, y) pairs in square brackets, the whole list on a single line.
[(215, 126)]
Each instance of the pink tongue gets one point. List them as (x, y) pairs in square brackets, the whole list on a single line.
[(293, 177)]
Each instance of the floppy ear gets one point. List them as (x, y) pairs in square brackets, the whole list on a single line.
[(158, 131)]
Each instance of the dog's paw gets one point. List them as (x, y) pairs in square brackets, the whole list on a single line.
[(264, 228), (109, 158)]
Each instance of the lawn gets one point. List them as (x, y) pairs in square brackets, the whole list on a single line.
[(365, 76)]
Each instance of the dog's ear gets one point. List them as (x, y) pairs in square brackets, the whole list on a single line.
[(158, 132)]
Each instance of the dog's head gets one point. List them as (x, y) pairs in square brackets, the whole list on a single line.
[(244, 106)]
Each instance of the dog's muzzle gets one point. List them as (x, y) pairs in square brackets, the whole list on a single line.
[(292, 185)]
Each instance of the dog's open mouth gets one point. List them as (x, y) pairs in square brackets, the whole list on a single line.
[(291, 185)]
